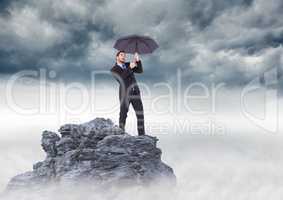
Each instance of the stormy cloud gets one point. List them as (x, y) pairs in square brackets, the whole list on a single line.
[(224, 41)]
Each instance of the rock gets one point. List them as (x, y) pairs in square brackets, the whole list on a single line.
[(48, 143), (96, 151)]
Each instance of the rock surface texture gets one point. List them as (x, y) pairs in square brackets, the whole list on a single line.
[(97, 152)]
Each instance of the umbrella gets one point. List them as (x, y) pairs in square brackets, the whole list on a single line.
[(136, 43)]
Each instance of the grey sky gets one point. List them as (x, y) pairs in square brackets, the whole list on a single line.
[(229, 41)]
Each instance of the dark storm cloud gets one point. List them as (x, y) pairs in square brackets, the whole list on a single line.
[(269, 39), (225, 41), (202, 12), (4, 4)]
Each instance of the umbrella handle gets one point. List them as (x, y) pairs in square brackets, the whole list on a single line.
[(136, 48)]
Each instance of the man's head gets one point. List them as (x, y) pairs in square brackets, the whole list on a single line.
[(121, 56)]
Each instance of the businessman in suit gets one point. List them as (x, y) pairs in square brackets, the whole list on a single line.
[(129, 92)]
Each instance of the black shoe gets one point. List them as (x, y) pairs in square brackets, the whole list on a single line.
[(141, 133)]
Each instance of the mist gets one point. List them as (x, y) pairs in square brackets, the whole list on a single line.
[(215, 155)]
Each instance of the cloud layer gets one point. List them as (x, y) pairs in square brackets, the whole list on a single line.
[(225, 41)]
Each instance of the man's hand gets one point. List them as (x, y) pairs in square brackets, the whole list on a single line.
[(133, 64), (136, 57)]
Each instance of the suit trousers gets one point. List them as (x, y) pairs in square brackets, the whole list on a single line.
[(133, 98)]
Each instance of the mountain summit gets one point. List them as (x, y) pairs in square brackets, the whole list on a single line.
[(96, 152)]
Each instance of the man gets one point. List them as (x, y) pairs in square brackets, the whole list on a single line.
[(129, 91)]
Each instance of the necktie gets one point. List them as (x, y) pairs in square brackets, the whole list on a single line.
[(123, 66)]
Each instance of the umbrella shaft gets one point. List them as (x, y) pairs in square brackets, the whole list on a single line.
[(136, 50)]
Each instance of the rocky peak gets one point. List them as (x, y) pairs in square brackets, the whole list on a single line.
[(98, 152)]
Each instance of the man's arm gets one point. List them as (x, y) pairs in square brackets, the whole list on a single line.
[(121, 73), (138, 68)]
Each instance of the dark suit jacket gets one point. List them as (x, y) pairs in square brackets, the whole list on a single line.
[(126, 78)]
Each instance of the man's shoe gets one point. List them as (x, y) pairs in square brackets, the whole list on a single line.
[(143, 134)]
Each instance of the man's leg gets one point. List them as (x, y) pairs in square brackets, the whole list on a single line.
[(124, 108), (138, 107)]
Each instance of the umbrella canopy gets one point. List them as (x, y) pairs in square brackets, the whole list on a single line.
[(136, 43)]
